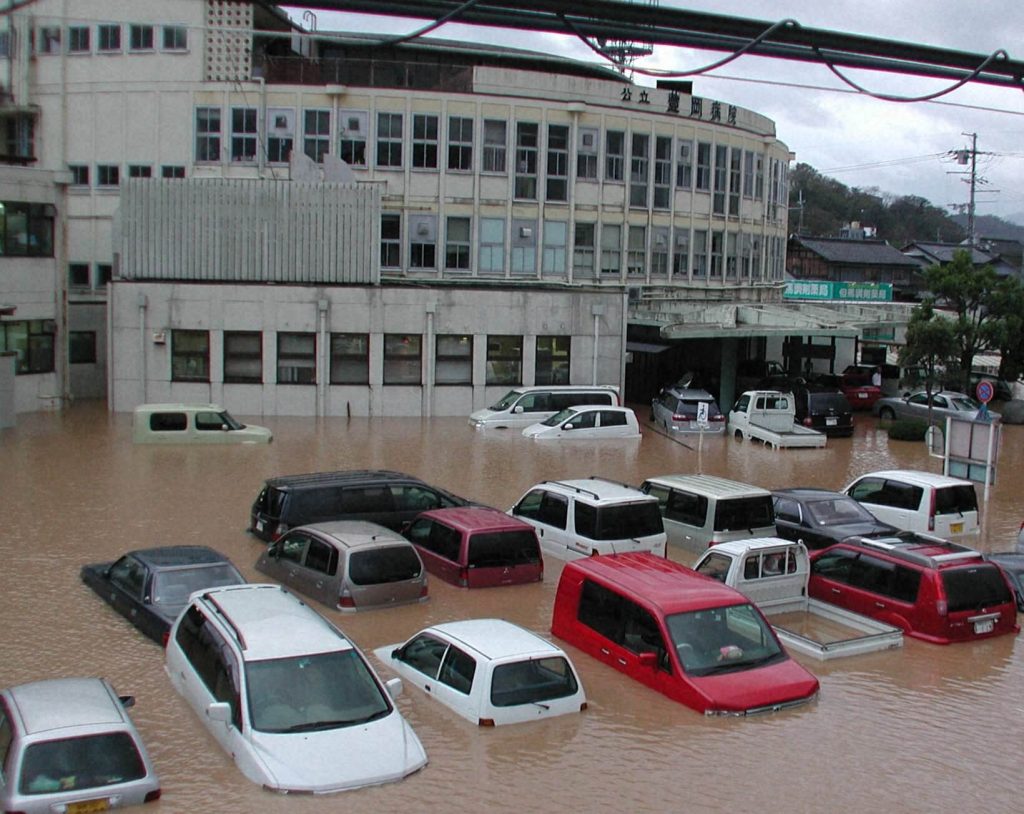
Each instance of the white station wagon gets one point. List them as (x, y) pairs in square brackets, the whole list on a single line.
[(489, 671), (587, 421)]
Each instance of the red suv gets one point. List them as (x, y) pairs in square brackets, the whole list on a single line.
[(476, 547), (933, 589)]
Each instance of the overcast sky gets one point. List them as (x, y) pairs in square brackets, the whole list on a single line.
[(900, 149)]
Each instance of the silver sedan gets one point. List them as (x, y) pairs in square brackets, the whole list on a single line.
[(944, 403)]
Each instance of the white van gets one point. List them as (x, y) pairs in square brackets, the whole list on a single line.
[(919, 501), (524, 406), (193, 424)]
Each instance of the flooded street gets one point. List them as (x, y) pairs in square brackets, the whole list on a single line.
[(920, 729)]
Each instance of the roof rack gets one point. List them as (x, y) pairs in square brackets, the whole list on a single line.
[(577, 489), (226, 619), (898, 547)]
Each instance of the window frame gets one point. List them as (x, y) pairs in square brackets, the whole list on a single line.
[(458, 252), (245, 123), (108, 38), (38, 353), (342, 359), (291, 363), (79, 39), (388, 145), (460, 144), (553, 359), (495, 153), (197, 358), (208, 139), (504, 360), (398, 367), (172, 32), (233, 357), (425, 140), (460, 362), (316, 133), (141, 37)]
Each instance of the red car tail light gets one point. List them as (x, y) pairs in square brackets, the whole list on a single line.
[(463, 577), (941, 607), (345, 601), (152, 795)]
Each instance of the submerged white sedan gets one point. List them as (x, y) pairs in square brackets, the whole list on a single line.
[(592, 421)]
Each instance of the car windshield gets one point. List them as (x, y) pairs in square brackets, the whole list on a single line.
[(231, 422), (375, 566), (307, 693), (719, 640), (80, 763), (172, 588), (532, 682), (965, 404), (559, 417), (838, 511), (507, 400), (975, 587)]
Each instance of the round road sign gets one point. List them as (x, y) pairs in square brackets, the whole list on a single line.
[(984, 391)]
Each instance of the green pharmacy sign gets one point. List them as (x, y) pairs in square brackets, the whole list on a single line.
[(845, 292)]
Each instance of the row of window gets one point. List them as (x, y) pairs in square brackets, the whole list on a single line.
[(26, 229), (32, 343), (110, 38), (595, 248), (109, 175), (402, 362), (541, 156), (83, 276)]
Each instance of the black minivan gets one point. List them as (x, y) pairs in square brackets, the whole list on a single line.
[(379, 496), (823, 408)]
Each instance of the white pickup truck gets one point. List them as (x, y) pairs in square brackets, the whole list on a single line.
[(773, 574), (770, 416)]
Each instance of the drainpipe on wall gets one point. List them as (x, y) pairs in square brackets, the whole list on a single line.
[(597, 311), (324, 374), (428, 387), (143, 377)]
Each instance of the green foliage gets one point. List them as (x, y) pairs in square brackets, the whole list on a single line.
[(908, 429), (930, 346)]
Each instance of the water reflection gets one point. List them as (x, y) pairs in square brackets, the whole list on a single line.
[(922, 728)]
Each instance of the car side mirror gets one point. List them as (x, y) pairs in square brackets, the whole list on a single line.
[(568, 426), (127, 701), (517, 409), (274, 551), (648, 660), (394, 686), (219, 711), (224, 427)]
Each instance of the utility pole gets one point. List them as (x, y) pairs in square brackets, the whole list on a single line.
[(971, 241)]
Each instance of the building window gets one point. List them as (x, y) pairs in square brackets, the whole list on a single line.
[(492, 246), (78, 39), (109, 38), (207, 134), (748, 174), (684, 165), (140, 171), (423, 242), (172, 171), (456, 250), (403, 358), (78, 275), (18, 136), (659, 251), (190, 356), (424, 142), (524, 247), (243, 357), (636, 250), (662, 172), (108, 175), (700, 253), (639, 169), (583, 250), (350, 359), (526, 161), (316, 131), (79, 175), (611, 248), (82, 347), (31, 342), (389, 139), (703, 182), (587, 153), (175, 37), (352, 142), (614, 155), (280, 134), (681, 254), (735, 174), (716, 254), (49, 40), (504, 360), (495, 145), (558, 163), (758, 177), (26, 229), (553, 252), (140, 38), (460, 143), (243, 134), (721, 179), (552, 359), (104, 274), (454, 359), (296, 358), (390, 240), (731, 261)]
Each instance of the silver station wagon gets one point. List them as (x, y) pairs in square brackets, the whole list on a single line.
[(350, 565)]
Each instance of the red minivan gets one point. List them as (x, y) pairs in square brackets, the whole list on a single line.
[(683, 634), (933, 589), (476, 547)]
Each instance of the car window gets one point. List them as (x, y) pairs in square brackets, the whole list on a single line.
[(174, 586), (129, 575), (956, 499), (535, 403), (532, 682), (742, 403), (974, 587), (290, 547), (559, 417), (415, 498), (209, 421), (88, 762), (686, 507), (744, 513), (168, 422), (898, 495), (838, 512), (362, 500), (458, 670), (919, 398), (554, 510), (613, 418), (621, 521), (377, 566), (423, 653), (723, 640), (641, 634), (503, 548), (836, 564), (321, 557), (211, 658), (600, 609), (6, 736), (715, 566), (867, 489), (786, 509), (584, 420)]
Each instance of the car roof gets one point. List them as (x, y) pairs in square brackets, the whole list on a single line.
[(177, 555), (497, 638), (923, 549), (665, 583), (1008, 559), (356, 533), (339, 477), (690, 393), (477, 518), (720, 487), (953, 394), (178, 406), (809, 493), (62, 703), (754, 544), (595, 488), (915, 477), (269, 622)]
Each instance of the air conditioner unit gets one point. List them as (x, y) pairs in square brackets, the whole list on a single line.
[(587, 139), (634, 292), (423, 229), (353, 124), (525, 231), (660, 240)]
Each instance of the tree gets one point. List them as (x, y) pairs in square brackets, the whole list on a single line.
[(970, 293), (1008, 330), (931, 344)]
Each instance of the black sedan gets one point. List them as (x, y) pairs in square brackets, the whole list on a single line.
[(818, 518), (1012, 562), (150, 587)]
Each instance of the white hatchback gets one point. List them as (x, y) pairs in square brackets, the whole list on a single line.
[(489, 671), (588, 421), (286, 694)]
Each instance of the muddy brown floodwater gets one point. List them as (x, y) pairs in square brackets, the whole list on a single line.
[(922, 729)]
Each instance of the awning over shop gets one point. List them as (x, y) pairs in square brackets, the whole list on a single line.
[(645, 347)]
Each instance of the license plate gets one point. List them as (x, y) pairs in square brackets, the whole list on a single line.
[(259, 525), (956, 528), (862, 395), (89, 806), (984, 626), (831, 422)]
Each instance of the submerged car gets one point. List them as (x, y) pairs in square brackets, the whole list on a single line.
[(151, 586), (677, 410), (193, 424), (588, 421), (68, 746), (818, 517), (489, 671), (1012, 563), (945, 403)]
